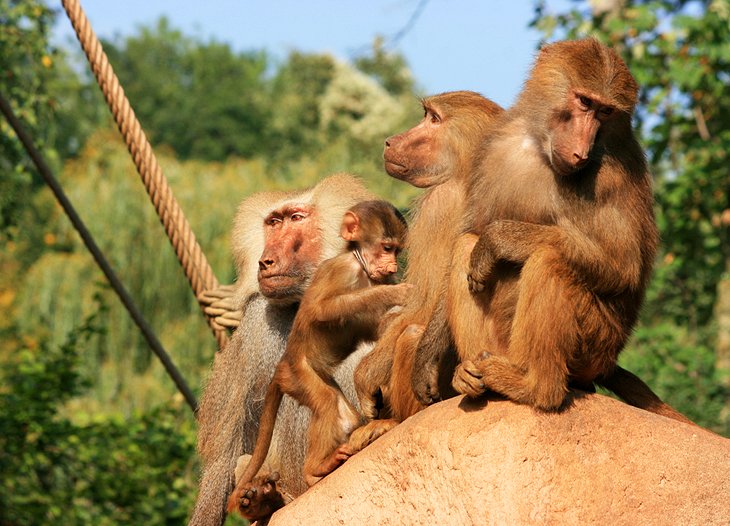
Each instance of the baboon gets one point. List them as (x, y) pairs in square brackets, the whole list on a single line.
[(342, 307), (559, 215), (435, 155), (232, 401)]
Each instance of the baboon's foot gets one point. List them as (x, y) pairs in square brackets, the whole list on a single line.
[(257, 499), (365, 435)]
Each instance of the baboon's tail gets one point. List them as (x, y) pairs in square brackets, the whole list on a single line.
[(632, 390)]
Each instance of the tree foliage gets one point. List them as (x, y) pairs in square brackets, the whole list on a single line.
[(680, 366), (389, 69), (207, 102), (202, 99), (25, 62), (54, 469)]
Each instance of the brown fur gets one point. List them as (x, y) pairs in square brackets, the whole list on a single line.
[(341, 308), (561, 200), (231, 404), (435, 155)]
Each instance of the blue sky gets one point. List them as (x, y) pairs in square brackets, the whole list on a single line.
[(484, 45)]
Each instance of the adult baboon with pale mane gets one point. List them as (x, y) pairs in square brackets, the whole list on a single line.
[(279, 239)]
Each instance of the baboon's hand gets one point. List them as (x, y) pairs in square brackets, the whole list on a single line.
[(468, 379), (480, 269), (219, 304)]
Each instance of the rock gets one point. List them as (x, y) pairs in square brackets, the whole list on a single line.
[(495, 462)]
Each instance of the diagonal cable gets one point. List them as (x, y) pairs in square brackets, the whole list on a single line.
[(104, 265)]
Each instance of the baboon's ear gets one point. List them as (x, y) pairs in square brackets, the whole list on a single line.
[(350, 226)]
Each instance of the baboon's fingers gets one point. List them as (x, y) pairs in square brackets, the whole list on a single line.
[(476, 283), (230, 320), (468, 379), (368, 406), (211, 295)]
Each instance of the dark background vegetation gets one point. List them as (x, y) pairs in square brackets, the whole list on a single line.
[(91, 429)]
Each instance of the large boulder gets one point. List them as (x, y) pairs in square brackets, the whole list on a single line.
[(495, 462)]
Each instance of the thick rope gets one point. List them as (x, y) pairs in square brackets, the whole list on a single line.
[(104, 265), (188, 251)]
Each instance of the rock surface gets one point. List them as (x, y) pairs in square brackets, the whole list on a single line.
[(494, 462)]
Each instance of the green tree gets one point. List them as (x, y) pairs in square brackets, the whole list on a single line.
[(356, 108), (201, 99), (26, 62), (682, 370), (296, 89), (207, 102), (56, 106), (331, 113), (86, 470), (151, 68), (227, 104), (78, 105), (389, 69)]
